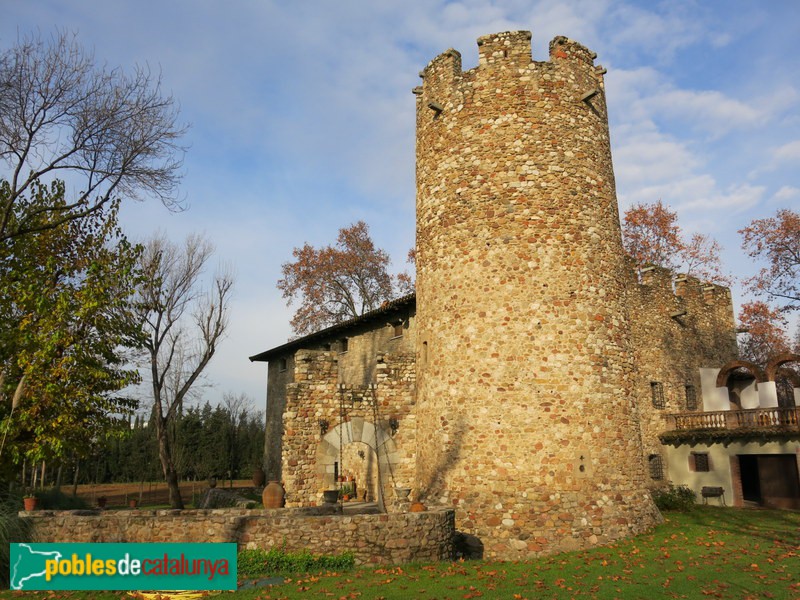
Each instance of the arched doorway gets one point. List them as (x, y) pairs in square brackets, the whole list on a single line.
[(340, 452), (359, 463)]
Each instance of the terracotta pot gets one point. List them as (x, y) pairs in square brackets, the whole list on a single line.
[(259, 477), (30, 502), (417, 507), (133, 503), (273, 496)]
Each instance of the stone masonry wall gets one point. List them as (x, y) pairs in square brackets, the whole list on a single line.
[(383, 539), (357, 417), (357, 367), (679, 325), (527, 423)]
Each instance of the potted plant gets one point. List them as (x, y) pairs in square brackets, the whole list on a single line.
[(29, 501), (346, 492)]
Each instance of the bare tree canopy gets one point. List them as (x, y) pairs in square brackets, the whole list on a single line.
[(107, 133), (336, 283), (183, 325)]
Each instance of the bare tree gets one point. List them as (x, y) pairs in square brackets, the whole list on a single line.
[(107, 133), (184, 323)]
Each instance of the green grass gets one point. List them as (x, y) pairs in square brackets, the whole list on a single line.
[(708, 552)]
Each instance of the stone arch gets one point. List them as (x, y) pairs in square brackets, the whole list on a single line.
[(791, 376), (756, 371), (356, 430), (776, 361)]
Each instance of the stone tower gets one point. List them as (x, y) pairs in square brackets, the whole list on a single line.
[(527, 424)]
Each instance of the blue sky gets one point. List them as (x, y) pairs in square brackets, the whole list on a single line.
[(302, 118)]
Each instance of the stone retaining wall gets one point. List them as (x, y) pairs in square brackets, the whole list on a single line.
[(383, 538)]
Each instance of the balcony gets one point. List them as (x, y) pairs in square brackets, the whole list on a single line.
[(727, 426)]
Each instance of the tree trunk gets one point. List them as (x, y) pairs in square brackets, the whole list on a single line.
[(167, 467), (75, 478)]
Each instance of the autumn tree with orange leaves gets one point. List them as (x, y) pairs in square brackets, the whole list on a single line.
[(652, 236), (337, 283), (764, 332), (776, 241)]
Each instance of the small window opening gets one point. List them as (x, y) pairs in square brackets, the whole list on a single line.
[(424, 353), (698, 461), (343, 345), (397, 329), (657, 394), (691, 398), (284, 364), (656, 466)]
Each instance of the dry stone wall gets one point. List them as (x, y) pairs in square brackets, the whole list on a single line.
[(382, 539), (526, 417)]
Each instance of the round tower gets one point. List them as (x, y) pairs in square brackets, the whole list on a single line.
[(526, 419)]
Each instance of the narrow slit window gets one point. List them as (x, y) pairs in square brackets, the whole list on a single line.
[(343, 345), (691, 398), (284, 364), (657, 394), (656, 466)]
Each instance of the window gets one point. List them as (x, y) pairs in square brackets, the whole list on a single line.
[(343, 345), (656, 466), (698, 461), (691, 398), (657, 394), (397, 327), (283, 364)]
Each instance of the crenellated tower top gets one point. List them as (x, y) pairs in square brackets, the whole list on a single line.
[(507, 50)]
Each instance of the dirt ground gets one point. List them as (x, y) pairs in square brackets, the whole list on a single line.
[(153, 493)]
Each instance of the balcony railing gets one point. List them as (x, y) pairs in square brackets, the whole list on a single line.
[(737, 419)]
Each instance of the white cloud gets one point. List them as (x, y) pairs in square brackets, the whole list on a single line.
[(709, 110), (786, 193), (788, 152), (735, 199)]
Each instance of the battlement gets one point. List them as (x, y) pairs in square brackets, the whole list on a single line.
[(665, 281), (563, 48), (507, 49)]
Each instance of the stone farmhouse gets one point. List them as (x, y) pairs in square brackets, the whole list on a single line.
[(538, 382)]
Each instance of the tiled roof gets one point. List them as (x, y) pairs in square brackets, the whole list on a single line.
[(338, 329)]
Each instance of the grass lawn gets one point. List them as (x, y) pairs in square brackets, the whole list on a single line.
[(709, 552)]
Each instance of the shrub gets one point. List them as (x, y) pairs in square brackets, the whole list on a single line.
[(675, 497), (254, 563), (12, 529)]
